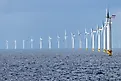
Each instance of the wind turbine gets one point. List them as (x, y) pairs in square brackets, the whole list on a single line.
[(93, 39), (105, 34), (31, 43), (99, 33), (6, 44), (86, 33), (73, 40), (50, 43), (23, 44), (65, 37), (109, 32), (58, 41), (14, 44), (41, 43), (80, 42)]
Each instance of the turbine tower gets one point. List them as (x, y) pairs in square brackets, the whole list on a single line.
[(73, 40), (86, 39), (40, 43), (58, 41), (105, 34), (93, 39), (109, 32), (65, 37), (14, 44), (80, 42), (6, 44), (98, 34), (32, 43), (50, 43), (23, 44)]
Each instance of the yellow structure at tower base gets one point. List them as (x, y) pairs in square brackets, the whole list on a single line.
[(93, 49), (109, 52), (104, 50), (98, 50), (86, 49)]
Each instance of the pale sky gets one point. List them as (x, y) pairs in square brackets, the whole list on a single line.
[(22, 19)]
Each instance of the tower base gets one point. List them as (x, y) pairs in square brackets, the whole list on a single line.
[(86, 49), (104, 50), (109, 52), (98, 50), (93, 49)]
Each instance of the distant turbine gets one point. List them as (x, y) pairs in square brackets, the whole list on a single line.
[(105, 37), (58, 41), (6, 44), (32, 43), (23, 44), (65, 37), (93, 39), (15, 44), (50, 43), (86, 34), (98, 34), (40, 43), (80, 42), (73, 40)]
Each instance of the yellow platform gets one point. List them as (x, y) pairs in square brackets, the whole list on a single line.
[(98, 50), (86, 49), (109, 52), (93, 49), (104, 50)]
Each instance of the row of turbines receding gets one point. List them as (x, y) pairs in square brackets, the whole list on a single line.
[(104, 30)]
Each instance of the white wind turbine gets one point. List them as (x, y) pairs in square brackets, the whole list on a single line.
[(98, 36), (73, 40), (50, 43), (6, 44), (23, 44), (93, 39), (58, 41), (41, 43), (99, 30), (65, 37), (31, 43), (80, 42), (14, 44), (86, 34)]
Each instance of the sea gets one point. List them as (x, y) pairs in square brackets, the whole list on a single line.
[(59, 65)]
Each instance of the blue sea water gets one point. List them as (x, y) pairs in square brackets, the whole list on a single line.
[(59, 65)]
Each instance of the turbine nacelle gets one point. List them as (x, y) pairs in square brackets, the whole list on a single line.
[(50, 38), (72, 35), (6, 41), (32, 40), (58, 37), (41, 39), (79, 33)]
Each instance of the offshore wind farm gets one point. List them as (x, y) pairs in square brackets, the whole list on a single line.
[(60, 40), (64, 63), (105, 30)]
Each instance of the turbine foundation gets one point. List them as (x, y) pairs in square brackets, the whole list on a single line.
[(109, 52), (98, 50)]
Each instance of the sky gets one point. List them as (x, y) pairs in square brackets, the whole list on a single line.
[(25, 19)]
